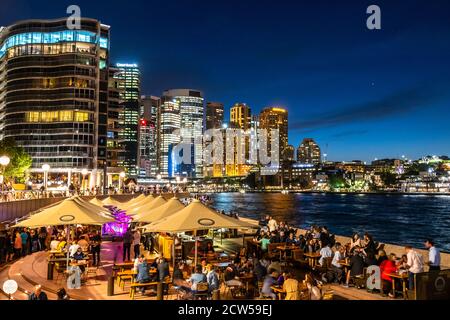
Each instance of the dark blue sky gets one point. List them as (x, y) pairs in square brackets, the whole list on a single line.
[(361, 94)]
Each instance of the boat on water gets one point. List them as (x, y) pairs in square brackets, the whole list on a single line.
[(284, 191)]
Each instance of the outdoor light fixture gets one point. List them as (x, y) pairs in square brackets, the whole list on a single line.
[(4, 160)]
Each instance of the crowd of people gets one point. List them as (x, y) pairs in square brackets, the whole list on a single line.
[(345, 263)]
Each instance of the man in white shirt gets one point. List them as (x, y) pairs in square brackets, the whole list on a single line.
[(414, 265), (434, 256), (54, 244), (325, 252)]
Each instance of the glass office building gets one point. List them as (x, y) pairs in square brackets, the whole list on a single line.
[(130, 76), (191, 104), (54, 89)]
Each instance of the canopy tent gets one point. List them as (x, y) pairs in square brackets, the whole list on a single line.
[(172, 206), (68, 212), (133, 203), (155, 203), (112, 202), (97, 202), (196, 216)]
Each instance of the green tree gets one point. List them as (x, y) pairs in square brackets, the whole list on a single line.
[(337, 182), (389, 179), (19, 163)]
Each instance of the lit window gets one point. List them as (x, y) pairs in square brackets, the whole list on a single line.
[(66, 116), (81, 116), (32, 116)]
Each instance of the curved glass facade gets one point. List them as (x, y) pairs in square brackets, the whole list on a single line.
[(51, 38), (54, 92)]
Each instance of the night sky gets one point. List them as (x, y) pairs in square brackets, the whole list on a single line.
[(361, 94)]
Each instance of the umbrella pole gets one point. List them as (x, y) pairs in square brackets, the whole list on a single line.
[(196, 253), (67, 246)]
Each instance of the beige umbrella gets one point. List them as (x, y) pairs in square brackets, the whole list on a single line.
[(196, 216), (97, 202), (68, 212), (134, 203), (172, 206), (155, 203), (112, 202)]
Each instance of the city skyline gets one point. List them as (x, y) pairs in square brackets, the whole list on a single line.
[(360, 94)]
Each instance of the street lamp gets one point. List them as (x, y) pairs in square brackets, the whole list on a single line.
[(4, 161), (158, 177), (84, 172), (45, 168)]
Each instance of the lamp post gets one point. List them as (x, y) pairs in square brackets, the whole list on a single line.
[(4, 161), (122, 177), (45, 168), (84, 172)]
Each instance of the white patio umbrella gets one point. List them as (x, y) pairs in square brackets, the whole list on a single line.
[(172, 206), (158, 201)]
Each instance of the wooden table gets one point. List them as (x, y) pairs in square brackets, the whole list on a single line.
[(129, 264), (313, 257), (283, 250), (404, 278)]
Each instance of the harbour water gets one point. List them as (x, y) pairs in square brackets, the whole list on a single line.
[(395, 219)]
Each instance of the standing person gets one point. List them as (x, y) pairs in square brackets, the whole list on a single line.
[(42, 236), (386, 268), (74, 278), (17, 246), (127, 239), (272, 225), (38, 294), (96, 242), (212, 278), (136, 243), (434, 256), (414, 264), (24, 237)]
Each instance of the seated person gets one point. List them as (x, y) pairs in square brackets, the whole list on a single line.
[(281, 278), (291, 239), (231, 276), (78, 256), (325, 252), (269, 281), (313, 290), (212, 278), (282, 237), (356, 265), (143, 272), (387, 267), (54, 244), (274, 237), (61, 245), (73, 248), (265, 241), (275, 265), (83, 243), (291, 287), (197, 277), (259, 270), (209, 248)]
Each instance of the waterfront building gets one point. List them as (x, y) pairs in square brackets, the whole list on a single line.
[(309, 152), (130, 75), (275, 118), (168, 124), (288, 153), (240, 116), (148, 136), (54, 96), (191, 111), (214, 115)]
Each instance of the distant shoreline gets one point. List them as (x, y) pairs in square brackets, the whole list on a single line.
[(341, 192)]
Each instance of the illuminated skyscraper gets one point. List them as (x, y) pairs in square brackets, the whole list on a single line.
[(240, 116), (54, 95), (214, 115), (130, 76), (169, 123), (275, 118), (191, 108), (309, 152), (148, 136)]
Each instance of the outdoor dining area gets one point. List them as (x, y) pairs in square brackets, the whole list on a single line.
[(182, 234)]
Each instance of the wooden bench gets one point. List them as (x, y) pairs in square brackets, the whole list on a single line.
[(135, 285)]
